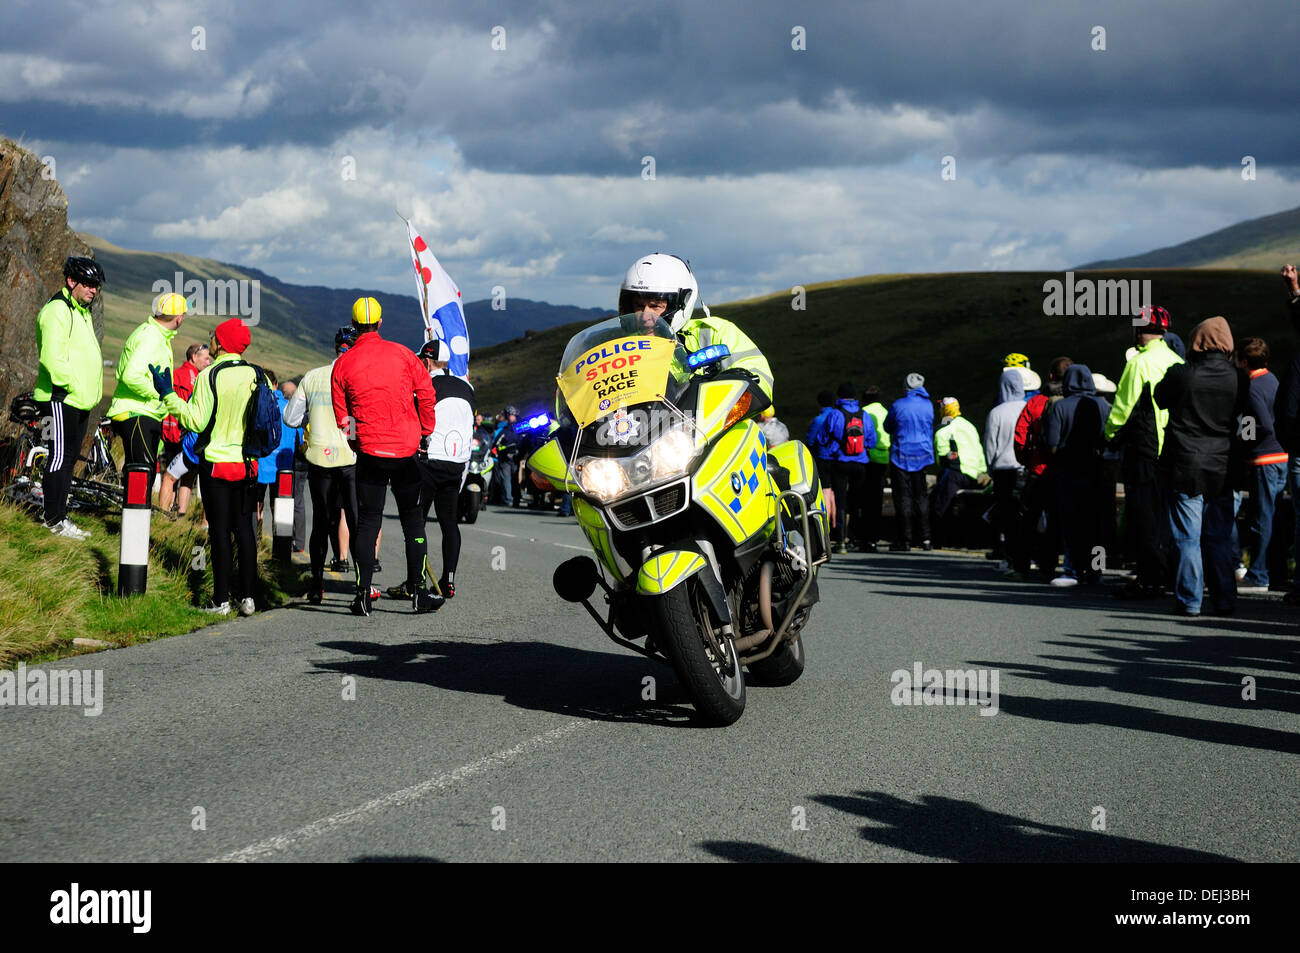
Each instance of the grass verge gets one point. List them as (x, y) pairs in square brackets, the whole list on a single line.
[(54, 590)]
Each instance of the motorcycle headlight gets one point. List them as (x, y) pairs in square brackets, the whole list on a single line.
[(671, 454), (603, 478)]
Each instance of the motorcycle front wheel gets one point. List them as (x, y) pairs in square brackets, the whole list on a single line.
[(705, 661), (469, 505)]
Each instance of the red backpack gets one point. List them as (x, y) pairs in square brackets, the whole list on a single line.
[(852, 444)]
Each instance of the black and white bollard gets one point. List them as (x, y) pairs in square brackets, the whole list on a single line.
[(137, 509), (282, 517)]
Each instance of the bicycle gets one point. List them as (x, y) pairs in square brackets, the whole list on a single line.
[(98, 489)]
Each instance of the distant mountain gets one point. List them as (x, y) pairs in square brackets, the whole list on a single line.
[(1263, 244), (297, 322)]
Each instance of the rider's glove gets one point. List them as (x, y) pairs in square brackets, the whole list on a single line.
[(162, 379)]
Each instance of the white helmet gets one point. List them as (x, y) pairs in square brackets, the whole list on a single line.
[(665, 275)]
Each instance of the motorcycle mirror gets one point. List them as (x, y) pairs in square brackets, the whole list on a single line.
[(575, 579)]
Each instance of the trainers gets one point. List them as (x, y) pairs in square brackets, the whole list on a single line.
[(247, 606), (378, 568), (425, 601), (340, 565), (375, 593), (215, 608), (1240, 572), (67, 529), (399, 592), (1253, 590), (1062, 582), (316, 595), (925, 545), (361, 606), (447, 588)]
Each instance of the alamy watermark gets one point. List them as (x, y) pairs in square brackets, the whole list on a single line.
[(57, 686), (228, 297), (1086, 297), (952, 686)]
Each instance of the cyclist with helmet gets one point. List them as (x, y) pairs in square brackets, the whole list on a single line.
[(505, 441), (1137, 425), (331, 464), (1032, 382), (663, 286), (69, 382), (384, 404), (137, 411), (179, 478)]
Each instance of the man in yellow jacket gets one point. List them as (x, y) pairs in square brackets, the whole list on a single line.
[(69, 383), (137, 411), (662, 286)]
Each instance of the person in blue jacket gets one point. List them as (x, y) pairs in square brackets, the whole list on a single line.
[(849, 433), (910, 425), (815, 440), (282, 457)]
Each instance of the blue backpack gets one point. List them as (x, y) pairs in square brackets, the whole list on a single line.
[(262, 419)]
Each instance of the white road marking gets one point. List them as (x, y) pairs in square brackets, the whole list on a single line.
[(571, 546), (265, 849), (496, 532)]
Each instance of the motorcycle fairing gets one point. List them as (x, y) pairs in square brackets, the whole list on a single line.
[(666, 569), (733, 484)]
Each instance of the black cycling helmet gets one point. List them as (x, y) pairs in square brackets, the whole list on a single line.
[(511, 409), (434, 350), (345, 337), (85, 271)]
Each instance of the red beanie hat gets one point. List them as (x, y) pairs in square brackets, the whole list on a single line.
[(233, 335)]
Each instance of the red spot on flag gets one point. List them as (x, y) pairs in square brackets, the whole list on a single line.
[(419, 244), (426, 274)]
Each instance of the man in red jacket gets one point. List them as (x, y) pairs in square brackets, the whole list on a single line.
[(383, 401)]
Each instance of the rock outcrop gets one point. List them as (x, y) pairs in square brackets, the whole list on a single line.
[(34, 241)]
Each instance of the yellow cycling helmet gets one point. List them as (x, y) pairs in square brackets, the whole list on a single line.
[(1015, 359), (366, 311), (170, 305)]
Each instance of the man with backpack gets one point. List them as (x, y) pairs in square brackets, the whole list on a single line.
[(850, 433), (234, 413)]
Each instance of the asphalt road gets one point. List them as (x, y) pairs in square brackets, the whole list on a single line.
[(507, 727)]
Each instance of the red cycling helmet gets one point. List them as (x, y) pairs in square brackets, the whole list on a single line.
[(1158, 321)]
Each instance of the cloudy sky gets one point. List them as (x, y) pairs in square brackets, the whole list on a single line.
[(520, 136)]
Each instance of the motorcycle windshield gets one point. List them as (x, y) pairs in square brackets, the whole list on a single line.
[(617, 363)]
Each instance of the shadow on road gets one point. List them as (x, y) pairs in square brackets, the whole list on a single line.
[(949, 829), (743, 852), (396, 859), (540, 676)]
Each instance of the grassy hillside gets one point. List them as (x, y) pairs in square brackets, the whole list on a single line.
[(280, 340), (952, 328), (1263, 244)]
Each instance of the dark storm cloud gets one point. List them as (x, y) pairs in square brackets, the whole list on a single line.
[(705, 88)]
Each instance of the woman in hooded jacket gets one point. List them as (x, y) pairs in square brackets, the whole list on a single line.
[(1205, 397)]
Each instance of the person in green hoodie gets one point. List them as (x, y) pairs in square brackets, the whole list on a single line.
[(960, 452), (137, 411), (69, 382)]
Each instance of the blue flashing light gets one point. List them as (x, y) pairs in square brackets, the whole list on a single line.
[(709, 355)]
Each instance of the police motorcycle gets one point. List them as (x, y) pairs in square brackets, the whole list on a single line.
[(708, 540), (478, 476)]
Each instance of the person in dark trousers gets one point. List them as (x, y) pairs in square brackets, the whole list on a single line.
[(384, 403), (444, 463), (1268, 460), (877, 471), (850, 433), (910, 425), (1205, 397), (136, 410), (1004, 469), (1137, 425), (823, 452), (1073, 433), (69, 383), (1286, 420), (227, 480), (506, 444), (1038, 503), (331, 463), (962, 466)]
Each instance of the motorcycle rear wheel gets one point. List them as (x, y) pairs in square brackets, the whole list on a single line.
[(705, 661), (782, 667)]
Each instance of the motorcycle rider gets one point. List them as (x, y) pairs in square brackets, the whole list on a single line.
[(662, 286)]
